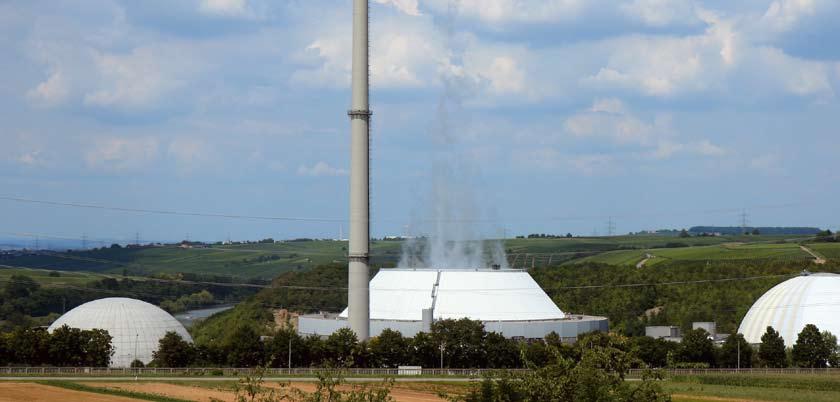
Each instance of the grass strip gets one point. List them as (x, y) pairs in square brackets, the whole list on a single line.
[(797, 382), (110, 391)]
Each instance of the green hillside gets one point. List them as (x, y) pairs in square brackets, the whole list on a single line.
[(265, 261)]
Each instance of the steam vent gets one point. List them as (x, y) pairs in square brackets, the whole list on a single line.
[(507, 301)]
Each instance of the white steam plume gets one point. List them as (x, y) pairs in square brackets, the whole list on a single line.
[(451, 232)]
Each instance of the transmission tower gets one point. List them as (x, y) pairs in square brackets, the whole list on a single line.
[(84, 241), (744, 221), (610, 226)]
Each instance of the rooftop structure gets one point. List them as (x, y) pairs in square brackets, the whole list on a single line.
[(792, 304), (135, 326)]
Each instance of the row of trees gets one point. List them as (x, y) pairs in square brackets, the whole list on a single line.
[(70, 347), (812, 349), (465, 344)]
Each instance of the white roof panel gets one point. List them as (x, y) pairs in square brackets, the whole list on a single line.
[(503, 295), (486, 295)]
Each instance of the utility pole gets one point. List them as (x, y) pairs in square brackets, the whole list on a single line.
[(442, 347), (290, 353), (739, 352)]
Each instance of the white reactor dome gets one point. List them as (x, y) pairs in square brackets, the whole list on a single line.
[(135, 326), (791, 305)]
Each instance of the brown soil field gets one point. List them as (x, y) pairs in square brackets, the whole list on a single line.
[(413, 393), (682, 397), (29, 392)]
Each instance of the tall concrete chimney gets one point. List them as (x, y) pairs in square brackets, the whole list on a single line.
[(358, 295)]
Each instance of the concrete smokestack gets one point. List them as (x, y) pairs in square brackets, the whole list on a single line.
[(358, 295)]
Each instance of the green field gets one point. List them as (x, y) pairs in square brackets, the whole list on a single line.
[(718, 252), (264, 261), (827, 250), (755, 387), (267, 260), (45, 278)]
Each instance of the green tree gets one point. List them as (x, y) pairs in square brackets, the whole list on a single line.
[(696, 347), (244, 347), (462, 342), (20, 286), (342, 348), (278, 349), (653, 352), (423, 350), (65, 347), (771, 352), (832, 350), (500, 351), (598, 376), (173, 351), (809, 349), (728, 354), (388, 349), (29, 346)]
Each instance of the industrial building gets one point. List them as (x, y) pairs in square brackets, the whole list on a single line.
[(507, 301), (791, 305), (135, 326)]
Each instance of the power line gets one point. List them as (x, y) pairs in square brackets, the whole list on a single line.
[(167, 212), (333, 220)]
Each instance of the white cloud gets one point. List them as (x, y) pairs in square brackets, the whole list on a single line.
[(660, 12), (403, 54), (795, 76), (321, 169), (224, 7), (52, 91), (783, 15), (592, 164), (409, 7), (188, 153), (117, 153), (608, 105), (521, 11), (769, 163), (139, 78)]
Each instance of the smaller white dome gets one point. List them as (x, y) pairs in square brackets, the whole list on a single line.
[(791, 305), (135, 326)]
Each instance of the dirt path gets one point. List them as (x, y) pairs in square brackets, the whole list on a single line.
[(684, 397), (31, 392), (642, 263), (205, 394), (817, 258)]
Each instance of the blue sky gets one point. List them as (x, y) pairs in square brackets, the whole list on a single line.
[(559, 114)]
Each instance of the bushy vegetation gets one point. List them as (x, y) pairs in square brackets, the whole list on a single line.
[(601, 289), (22, 297), (64, 347)]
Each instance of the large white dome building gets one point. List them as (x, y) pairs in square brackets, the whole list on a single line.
[(792, 304), (135, 326)]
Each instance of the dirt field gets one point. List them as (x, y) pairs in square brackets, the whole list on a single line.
[(29, 392), (205, 394)]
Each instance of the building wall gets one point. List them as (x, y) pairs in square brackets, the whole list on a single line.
[(567, 328)]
